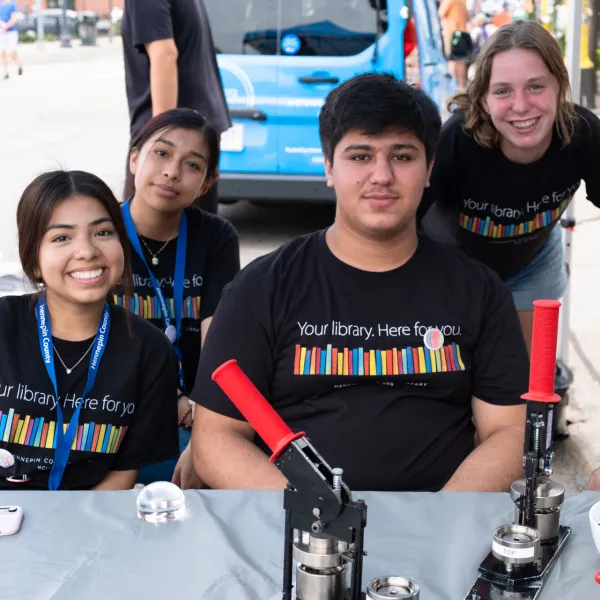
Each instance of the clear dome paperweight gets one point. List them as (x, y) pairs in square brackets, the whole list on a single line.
[(160, 502)]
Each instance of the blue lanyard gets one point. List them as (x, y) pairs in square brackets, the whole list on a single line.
[(172, 332), (65, 440)]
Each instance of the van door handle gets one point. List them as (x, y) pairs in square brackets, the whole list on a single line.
[(319, 79), (254, 114)]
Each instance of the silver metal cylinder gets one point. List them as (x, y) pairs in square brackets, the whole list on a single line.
[(383, 588), (549, 497), (321, 573), (516, 545), (320, 584), (497, 593)]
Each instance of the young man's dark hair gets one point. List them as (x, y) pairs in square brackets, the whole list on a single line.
[(399, 107)]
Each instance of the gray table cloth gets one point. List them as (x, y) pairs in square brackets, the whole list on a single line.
[(92, 546)]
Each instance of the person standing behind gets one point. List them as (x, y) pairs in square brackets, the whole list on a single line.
[(170, 63), (9, 35), (455, 18), (503, 17)]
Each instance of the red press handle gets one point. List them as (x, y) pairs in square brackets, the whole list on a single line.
[(255, 408), (543, 352)]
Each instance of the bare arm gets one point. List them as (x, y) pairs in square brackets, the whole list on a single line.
[(498, 460), (118, 480), (225, 457), (185, 475), (163, 75)]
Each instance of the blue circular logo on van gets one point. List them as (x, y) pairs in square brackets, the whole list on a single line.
[(290, 43)]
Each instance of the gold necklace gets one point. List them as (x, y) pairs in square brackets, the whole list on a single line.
[(155, 254)]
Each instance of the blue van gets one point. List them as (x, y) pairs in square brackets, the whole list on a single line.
[(278, 61)]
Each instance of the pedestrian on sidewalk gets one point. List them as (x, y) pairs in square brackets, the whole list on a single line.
[(509, 163), (170, 63), (455, 19), (9, 35)]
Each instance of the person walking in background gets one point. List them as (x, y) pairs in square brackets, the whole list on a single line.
[(9, 35), (170, 63), (480, 31), (455, 18), (503, 17)]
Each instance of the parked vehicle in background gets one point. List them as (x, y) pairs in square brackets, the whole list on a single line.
[(280, 58), (52, 22)]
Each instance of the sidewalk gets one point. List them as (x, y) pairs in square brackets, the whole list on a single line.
[(583, 357)]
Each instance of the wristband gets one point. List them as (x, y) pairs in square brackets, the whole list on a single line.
[(180, 395)]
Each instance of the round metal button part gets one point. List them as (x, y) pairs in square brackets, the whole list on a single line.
[(516, 544), (549, 494), (384, 588)]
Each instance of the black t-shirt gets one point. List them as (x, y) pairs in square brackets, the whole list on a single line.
[(123, 425), (501, 212), (212, 260), (378, 369), (199, 82)]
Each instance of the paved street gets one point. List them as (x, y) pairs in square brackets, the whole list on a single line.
[(69, 110)]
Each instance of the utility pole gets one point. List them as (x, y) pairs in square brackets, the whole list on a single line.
[(65, 36), (111, 31), (588, 72), (39, 21), (594, 6)]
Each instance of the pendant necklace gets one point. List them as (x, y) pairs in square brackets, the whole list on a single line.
[(67, 369), (154, 255)]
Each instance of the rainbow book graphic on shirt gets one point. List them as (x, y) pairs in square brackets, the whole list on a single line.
[(394, 361), (148, 307), (35, 432), (489, 228)]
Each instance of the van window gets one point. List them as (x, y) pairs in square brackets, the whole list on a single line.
[(317, 27), (232, 20)]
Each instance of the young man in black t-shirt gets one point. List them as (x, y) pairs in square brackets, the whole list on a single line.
[(391, 352), (170, 63)]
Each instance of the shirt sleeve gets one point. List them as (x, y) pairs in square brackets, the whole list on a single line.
[(150, 21), (223, 264), (500, 361), (241, 329), (153, 435), (590, 151)]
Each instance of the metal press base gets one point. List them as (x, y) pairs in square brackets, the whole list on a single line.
[(525, 584)]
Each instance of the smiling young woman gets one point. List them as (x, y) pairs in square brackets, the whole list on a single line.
[(182, 256), (86, 390), (509, 163)]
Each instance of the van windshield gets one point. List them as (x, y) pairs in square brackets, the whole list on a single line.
[(294, 27)]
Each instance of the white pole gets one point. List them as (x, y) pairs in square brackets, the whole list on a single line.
[(574, 69), (40, 24)]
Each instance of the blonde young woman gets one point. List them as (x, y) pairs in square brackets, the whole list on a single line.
[(509, 163)]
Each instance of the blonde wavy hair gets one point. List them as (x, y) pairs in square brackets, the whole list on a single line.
[(526, 35)]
